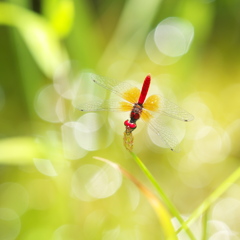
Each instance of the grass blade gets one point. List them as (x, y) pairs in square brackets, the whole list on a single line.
[(211, 199), (161, 193), (205, 226), (159, 208), (41, 40)]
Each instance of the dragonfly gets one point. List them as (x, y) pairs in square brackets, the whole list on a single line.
[(133, 100)]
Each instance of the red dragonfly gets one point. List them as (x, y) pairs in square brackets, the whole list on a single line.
[(135, 102)]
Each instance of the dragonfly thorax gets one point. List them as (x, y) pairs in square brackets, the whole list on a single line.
[(134, 116), (136, 112)]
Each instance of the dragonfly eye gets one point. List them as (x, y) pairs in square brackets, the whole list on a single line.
[(130, 125)]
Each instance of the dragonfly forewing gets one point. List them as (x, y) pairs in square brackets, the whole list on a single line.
[(101, 105), (119, 88), (172, 110)]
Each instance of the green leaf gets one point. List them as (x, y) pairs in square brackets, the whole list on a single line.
[(61, 14), (20, 150), (40, 38), (161, 193)]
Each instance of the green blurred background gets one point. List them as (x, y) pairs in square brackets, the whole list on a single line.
[(51, 187)]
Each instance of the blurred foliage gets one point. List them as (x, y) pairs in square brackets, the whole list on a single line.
[(50, 185)]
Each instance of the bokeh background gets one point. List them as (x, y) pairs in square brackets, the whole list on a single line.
[(50, 186)]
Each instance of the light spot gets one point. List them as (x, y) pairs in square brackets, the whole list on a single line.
[(215, 226), (224, 235), (90, 182), (154, 54), (212, 144), (95, 220), (10, 224), (234, 132), (67, 231), (64, 77), (91, 133), (169, 41), (173, 36), (227, 210), (112, 234), (196, 179), (71, 148), (14, 196), (48, 105), (45, 167)]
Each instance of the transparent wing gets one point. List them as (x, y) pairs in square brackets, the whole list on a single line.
[(122, 89), (102, 105), (165, 134), (173, 110), (157, 103)]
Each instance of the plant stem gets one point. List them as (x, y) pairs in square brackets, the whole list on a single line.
[(164, 197), (212, 198)]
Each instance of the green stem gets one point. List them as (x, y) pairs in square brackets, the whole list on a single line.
[(212, 198), (164, 197), (205, 226)]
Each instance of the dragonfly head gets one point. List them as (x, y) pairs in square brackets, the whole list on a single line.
[(129, 125)]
